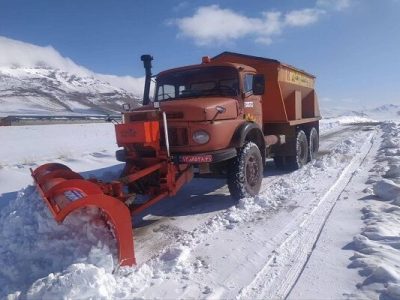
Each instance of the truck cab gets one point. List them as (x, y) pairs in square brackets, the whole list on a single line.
[(206, 103)]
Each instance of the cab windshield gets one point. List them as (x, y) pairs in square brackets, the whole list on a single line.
[(198, 82)]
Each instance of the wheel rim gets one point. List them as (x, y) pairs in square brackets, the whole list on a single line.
[(302, 152), (313, 144), (252, 171)]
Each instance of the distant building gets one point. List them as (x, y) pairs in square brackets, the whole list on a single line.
[(41, 120), (8, 121)]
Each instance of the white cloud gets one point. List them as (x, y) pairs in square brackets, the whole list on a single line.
[(215, 25), (303, 17), (131, 84), (15, 53), (211, 24), (334, 4)]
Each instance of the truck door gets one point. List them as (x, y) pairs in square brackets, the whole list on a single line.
[(252, 104)]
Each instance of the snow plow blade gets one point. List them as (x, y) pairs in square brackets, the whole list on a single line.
[(65, 191)]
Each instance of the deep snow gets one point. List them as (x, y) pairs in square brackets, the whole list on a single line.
[(377, 247), (204, 246)]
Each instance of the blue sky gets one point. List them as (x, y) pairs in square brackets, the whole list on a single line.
[(352, 46)]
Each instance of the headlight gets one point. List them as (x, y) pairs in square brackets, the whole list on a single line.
[(201, 137)]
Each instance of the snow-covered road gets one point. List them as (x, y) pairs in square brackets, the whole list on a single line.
[(198, 244)]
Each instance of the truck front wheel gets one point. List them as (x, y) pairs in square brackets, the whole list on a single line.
[(246, 172)]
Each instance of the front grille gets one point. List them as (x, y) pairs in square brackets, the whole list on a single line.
[(177, 137), (142, 116)]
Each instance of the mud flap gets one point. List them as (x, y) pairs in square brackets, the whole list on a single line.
[(65, 191)]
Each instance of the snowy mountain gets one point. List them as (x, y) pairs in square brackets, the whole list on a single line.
[(388, 108), (49, 91), (383, 112), (38, 80)]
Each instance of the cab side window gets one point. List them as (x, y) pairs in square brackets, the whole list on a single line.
[(248, 83)]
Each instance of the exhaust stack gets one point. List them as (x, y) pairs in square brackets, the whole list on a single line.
[(146, 58)]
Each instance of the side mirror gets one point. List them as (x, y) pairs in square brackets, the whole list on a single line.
[(126, 106), (220, 109), (258, 84)]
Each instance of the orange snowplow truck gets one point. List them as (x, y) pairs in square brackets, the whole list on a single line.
[(225, 116)]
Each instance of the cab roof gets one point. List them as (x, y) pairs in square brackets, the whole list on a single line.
[(239, 67)]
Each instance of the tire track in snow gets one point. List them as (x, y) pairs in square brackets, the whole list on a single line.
[(162, 225), (281, 271), (327, 142)]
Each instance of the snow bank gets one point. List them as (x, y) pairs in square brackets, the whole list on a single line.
[(77, 281), (378, 246), (33, 245), (387, 190)]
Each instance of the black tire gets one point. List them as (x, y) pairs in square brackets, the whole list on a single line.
[(279, 162), (313, 144), (301, 157), (246, 172)]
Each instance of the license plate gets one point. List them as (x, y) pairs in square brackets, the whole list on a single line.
[(192, 159)]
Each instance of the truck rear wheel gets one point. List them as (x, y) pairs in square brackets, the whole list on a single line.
[(246, 172), (302, 152), (313, 144)]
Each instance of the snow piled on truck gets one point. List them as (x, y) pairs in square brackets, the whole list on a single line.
[(378, 245)]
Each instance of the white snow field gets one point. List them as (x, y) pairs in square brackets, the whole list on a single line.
[(329, 230)]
